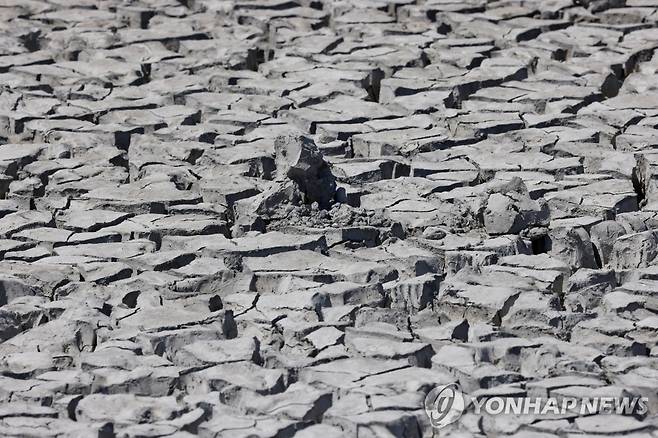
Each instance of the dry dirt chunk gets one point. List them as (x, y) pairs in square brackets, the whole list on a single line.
[(299, 159)]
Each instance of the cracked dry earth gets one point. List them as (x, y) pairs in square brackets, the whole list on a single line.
[(282, 218)]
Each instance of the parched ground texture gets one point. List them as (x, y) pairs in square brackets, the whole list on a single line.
[(277, 218)]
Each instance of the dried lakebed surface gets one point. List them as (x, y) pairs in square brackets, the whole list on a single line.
[(282, 218)]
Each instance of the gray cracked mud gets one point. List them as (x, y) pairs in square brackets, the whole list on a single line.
[(292, 218)]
